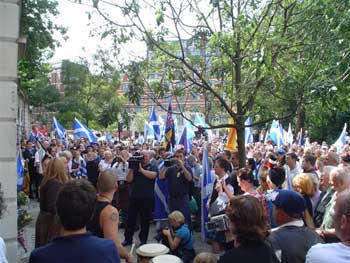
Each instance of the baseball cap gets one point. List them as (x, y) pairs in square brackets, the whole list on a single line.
[(292, 203), (281, 151)]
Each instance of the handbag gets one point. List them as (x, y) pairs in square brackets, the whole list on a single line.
[(217, 207)]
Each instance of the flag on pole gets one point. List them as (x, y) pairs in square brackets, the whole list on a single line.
[(20, 171), (231, 143), (169, 133), (153, 121), (59, 131), (81, 130), (248, 132), (185, 141), (207, 187), (341, 140)]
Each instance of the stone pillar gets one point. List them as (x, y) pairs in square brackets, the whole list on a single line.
[(9, 31)]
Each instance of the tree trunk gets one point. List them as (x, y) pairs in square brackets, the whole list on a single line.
[(240, 142)]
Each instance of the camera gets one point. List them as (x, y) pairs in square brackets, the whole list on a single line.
[(170, 162), (134, 161), (218, 223)]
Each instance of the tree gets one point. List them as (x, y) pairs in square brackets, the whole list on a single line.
[(254, 58), (93, 94), (37, 27)]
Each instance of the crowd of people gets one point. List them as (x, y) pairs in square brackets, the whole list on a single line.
[(288, 204)]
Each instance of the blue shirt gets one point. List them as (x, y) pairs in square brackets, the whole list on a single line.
[(84, 248), (186, 238)]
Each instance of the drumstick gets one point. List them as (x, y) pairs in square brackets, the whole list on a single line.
[(132, 248)]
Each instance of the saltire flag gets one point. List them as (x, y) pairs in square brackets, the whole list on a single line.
[(32, 137), (153, 121), (169, 133), (248, 132), (80, 130), (148, 131), (207, 187), (20, 172), (231, 143), (341, 140), (185, 141), (59, 131), (161, 195)]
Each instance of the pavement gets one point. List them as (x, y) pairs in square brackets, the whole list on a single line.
[(29, 236)]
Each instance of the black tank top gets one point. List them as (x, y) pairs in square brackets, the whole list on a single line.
[(94, 224)]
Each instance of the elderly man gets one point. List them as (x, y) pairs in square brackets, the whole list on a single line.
[(325, 197), (339, 181), (292, 239), (335, 252), (331, 159)]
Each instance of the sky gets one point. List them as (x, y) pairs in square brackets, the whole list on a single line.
[(80, 42)]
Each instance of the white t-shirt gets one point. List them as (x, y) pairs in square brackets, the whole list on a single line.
[(2, 251), (122, 170), (325, 253), (104, 165)]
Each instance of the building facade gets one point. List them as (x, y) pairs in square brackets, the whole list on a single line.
[(9, 32)]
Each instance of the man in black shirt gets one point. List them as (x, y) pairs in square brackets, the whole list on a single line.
[(141, 198), (179, 179)]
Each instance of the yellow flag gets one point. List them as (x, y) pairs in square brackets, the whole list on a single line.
[(231, 144)]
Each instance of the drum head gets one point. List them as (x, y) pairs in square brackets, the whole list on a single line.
[(152, 250), (167, 259)]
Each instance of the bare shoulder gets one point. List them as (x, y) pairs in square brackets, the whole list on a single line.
[(110, 213)]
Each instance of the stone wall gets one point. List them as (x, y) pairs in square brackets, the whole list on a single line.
[(9, 30)]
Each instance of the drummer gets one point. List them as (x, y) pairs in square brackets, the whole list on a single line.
[(181, 244)]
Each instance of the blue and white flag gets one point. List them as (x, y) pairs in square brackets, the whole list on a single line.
[(153, 121), (32, 137), (161, 195), (185, 141), (80, 130), (148, 131), (190, 131), (276, 133), (59, 131), (341, 140), (248, 132), (20, 172), (207, 187)]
